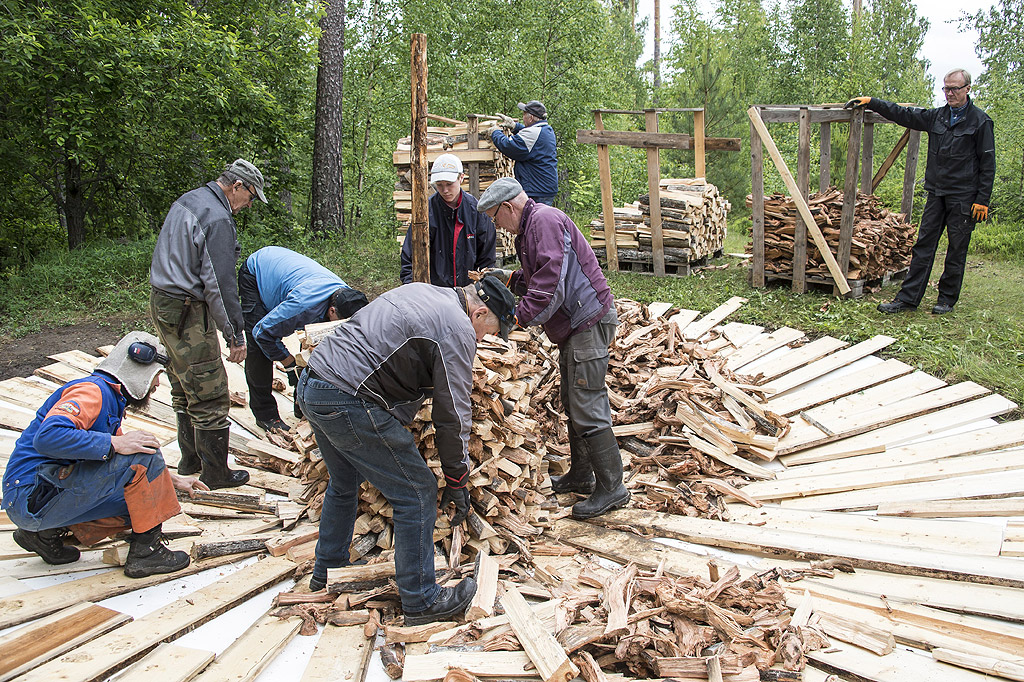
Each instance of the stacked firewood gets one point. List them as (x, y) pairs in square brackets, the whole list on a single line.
[(694, 219), (881, 244)]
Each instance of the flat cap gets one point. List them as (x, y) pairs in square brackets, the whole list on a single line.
[(501, 190)]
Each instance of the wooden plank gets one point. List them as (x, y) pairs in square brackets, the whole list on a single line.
[(108, 653), (33, 566), (830, 363), (700, 327), (249, 654), (991, 570), (762, 346), (803, 167), (951, 509), (757, 207), (787, 177), (341, 653), (867, 158), (400, 158), (1003, 484), (1011, 670), (700, 143), (853, 663), (795, 358), (656, 140), (168, 663), (421, 667), (825, 165), (34, 644), (807, 397), (654, 190), (548, 656), (604, 166), (836, 114), (910, 172), (850, 190), (894, 435)]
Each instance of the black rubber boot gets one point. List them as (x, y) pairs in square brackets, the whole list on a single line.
[(189, 463), (49, 544), (148, 556), (451, 602), (212, 447), (580, 477), (609, 493)]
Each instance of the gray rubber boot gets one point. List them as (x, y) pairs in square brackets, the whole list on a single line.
[(189, 463), (580, 477), (609, 493)]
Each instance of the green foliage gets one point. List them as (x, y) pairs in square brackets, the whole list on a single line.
[(1000, 238)]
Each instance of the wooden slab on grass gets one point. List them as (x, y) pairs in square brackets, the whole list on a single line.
[(879, 438), (168, 663), (48, 637), (762, 346), (952, 509), (248, 655), (102, 656), (833, 389), (341, 655), (548, 656), (990, 570), (698, 328), (907, 387), (830, 363), (798, 357), (421, 667)]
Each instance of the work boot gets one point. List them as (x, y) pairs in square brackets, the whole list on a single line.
[(609, 493), (148, 556), (580, 477), (450, 602), (895, 306), (942, 309), (212, 447), (273, 424), (49, 544), (189, 463)]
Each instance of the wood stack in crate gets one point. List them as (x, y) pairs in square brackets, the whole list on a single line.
[(881, 245), (694, 220)]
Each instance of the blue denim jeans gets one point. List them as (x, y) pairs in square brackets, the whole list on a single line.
[(359, 440)]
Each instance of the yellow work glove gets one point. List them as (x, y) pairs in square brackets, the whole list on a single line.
[(857, 102), (979, 212)]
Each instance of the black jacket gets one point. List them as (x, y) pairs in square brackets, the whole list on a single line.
[(961, 159), (475, 250)]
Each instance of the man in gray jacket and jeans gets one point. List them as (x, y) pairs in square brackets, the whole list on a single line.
[(363, 383), (194, 293)]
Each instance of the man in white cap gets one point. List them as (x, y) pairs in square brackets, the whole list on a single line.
[(194, 292), (531, 144), (461, 238), (74, 470)]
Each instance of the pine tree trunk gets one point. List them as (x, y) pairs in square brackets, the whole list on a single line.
[(327, 214)]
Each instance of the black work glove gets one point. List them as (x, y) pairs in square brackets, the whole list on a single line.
[(293, 375), (857, 102), (460, 498)]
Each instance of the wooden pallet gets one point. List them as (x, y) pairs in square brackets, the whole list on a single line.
[(858, 287)]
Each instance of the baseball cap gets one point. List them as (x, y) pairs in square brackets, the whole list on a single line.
[(446, 168), (249, 174), (501, 302), (534, 107)]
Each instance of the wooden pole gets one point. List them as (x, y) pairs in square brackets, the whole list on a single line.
[(657, 49), (850, 190), (910, 172), (473, 142), (757, 207), (803, 172), (890, 160), (801, 204), (867, 158), (654, 190), (699, 159), (419, 230), (604, 166), (825, 172)]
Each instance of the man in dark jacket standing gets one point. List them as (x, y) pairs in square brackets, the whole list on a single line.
[(193, 294), (461, 238), (564, 290), (364, 382), (961, 171), (532, 146)]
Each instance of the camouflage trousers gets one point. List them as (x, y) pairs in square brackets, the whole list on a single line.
[(199, 382)]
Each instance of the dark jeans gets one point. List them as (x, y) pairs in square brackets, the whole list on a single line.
[(360, 440), (259, 369), (582, 367), (951, 213)]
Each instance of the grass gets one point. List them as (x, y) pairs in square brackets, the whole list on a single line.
[(982, 341)]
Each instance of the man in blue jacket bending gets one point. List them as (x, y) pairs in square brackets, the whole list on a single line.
[(532, 147), (282, 291)]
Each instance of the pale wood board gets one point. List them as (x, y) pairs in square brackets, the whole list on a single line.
[(899, 666), (794, 359), (548, 656), (700, 327), (11, 586), (953, 509), (249, 654), (762, 346), (100, 657), (1010, 669), (341, 655), (991, 570), (168, 663), (878, 439), (740, 334), (830, 390), (420, 667), (34, 567), (829, 363), (907, 387)]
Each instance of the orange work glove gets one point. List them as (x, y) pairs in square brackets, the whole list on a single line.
[(979, 212), (857, 102)]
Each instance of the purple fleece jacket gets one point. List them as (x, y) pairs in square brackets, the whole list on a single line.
[(561, 283)]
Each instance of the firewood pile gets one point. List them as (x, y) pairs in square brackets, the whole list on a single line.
[(694, 219), (881, 245)]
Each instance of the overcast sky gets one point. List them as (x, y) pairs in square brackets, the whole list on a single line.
[(944, 45)]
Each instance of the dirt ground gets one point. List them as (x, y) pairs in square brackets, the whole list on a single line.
[(20, 357)]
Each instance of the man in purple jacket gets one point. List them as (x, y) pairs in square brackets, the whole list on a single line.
[(564, 290)]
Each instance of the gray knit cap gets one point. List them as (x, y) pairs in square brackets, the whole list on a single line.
[(136, 377)]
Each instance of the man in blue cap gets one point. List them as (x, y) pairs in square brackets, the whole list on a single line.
[(531, 144)]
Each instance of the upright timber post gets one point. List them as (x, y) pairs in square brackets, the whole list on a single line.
[(803, 172), (850, 192), (825, 171), (867, 159), (699, 158), (473, 142), (419, 231), (604, 166), (910, 172), (757, 207), (654, 190)]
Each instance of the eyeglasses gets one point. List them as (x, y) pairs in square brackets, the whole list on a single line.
[(949, 90), (252, 195)]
